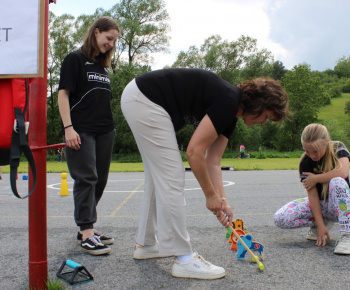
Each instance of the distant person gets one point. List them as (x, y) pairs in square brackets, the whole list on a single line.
[(59, 154), (242, 151), (161, 102), (324, 170), (84, 98)]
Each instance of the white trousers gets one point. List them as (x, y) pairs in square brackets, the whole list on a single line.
[(163, 206)]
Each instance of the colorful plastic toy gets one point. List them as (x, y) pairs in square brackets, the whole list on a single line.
[(248, 239), (242, 241)]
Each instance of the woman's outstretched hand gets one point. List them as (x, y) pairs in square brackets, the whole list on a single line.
[(221, 208)]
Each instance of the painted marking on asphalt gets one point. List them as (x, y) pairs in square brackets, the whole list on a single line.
[(137, 216), (57, 186), (114, 213)]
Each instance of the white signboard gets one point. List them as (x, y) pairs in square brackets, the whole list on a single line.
[(21, 38)]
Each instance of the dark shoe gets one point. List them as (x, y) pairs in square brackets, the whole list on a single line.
[(93, 246), (104, 239)]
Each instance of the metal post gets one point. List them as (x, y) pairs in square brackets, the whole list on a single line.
[(38, 272)]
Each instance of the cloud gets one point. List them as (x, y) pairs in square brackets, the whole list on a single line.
[(313, 31), (193, 21), (295, 31)]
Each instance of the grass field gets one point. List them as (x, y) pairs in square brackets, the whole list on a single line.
[(335, 112), (238, 164)]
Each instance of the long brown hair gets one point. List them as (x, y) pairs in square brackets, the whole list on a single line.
[(264, 94), (89, 47), (318, 136)]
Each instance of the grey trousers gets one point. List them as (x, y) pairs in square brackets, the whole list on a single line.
[(163, 206), (89, 167)]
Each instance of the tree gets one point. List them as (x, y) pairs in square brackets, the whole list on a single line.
[(144, 29), (233, 61), (124, 141), (342, 68), (278, 70), (330, 83), (306, 97), (60, 44), (347, 111)]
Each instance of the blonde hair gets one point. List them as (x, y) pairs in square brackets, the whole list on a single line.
[(318, 136), (89, 47)]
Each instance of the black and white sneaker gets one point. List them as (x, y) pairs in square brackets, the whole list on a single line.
[(104, 239), (93, 246)]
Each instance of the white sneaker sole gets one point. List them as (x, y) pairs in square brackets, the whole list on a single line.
[(97, 252), (205, 276), (341, 252), (148, 252), (181, 272), (149, 256), (311, 238)]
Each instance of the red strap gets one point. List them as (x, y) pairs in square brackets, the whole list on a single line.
[(7, 114)]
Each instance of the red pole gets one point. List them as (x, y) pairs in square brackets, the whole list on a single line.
[(38, 272)]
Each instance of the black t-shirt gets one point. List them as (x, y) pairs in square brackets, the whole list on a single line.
[(90, 94), (189, 94), (308, 165)]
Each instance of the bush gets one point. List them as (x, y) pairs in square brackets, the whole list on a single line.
[(127, 158)]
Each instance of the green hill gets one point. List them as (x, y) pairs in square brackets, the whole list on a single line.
[(334, 117)]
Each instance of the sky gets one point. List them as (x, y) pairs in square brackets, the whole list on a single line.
[(315, 32)]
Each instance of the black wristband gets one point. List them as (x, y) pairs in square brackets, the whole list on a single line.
[(68, 126)]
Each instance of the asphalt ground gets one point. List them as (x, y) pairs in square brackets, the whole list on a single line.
[(291, 261)]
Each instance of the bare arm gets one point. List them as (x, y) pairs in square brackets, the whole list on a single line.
[(341, 171), (315, 206), (71, 136), (213, 160), (205, 168)]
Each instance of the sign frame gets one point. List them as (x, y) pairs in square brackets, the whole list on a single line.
[(40, 48)]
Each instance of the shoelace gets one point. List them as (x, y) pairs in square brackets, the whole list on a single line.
[(203, 260), (96, 240), (97, 233)]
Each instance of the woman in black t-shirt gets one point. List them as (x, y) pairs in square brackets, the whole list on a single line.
[(84, 102), (156, 105), (324, 172)]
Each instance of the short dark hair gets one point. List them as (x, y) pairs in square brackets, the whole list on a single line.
[(264, 94)]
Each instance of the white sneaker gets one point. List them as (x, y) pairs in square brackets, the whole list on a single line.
[(197, 268), (312, 234), (147, 252), (343, 246)]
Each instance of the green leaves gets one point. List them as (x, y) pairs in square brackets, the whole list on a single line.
[(233, 61), (144, 28)]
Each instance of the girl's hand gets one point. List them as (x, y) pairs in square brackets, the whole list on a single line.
[(309, 182), (322, 236), (72, 138)]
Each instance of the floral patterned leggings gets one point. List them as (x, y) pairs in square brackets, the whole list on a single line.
[(297, 213)]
